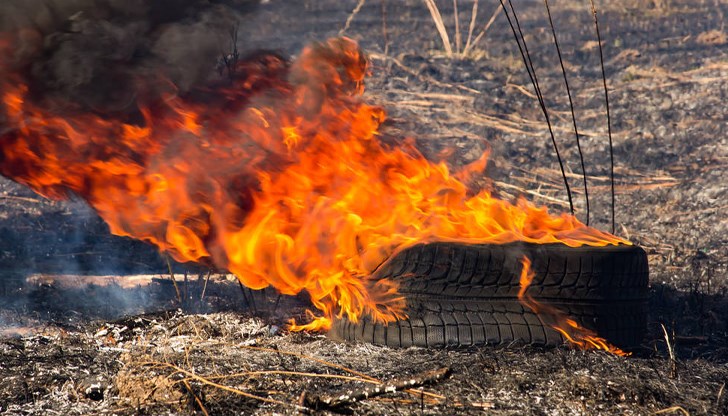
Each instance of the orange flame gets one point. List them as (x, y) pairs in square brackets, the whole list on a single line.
[(279, 178), (577, 335)]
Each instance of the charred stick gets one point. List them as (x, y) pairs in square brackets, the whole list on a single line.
[(204, 288), (275, 305), (229, 61), (252, 301), (242, 290), (249, 301), (528, 63), (571, 106), (422, 402), (196, 397), (174, 281), (348, 397), (187, 288), (606, 101)]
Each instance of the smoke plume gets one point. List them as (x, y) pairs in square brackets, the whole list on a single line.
[(105, 55)]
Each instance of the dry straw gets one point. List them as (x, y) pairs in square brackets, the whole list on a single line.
[(459, 51)]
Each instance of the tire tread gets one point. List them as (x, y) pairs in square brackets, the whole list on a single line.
[(460, 295)]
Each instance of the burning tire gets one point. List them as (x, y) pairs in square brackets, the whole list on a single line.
[(461, 295)]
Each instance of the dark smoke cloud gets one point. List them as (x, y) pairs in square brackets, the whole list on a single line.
[(104, 55)]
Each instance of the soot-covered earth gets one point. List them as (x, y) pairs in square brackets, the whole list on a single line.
[(216, 348)]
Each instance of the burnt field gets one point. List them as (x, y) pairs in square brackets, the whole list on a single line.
[(204, 345)]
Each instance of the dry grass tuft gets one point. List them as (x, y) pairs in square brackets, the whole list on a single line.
[(460, 51)]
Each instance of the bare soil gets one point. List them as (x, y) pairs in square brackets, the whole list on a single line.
[(109, 350)]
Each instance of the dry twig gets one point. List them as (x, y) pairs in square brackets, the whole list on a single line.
[(23, 199), (292, 373), (197, 398), (348, 397), (211, 383), (473, 16), (440, 25), (482, 33), (553, 200), (174, 281), (352, 16), (673, 362), (332, 365), (672, 410)]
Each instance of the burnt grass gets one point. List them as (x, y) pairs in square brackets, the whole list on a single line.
[(105, 350)]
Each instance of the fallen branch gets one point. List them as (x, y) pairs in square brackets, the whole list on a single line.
[(192, 376), (336, 366), (348, 397), (23, 199)]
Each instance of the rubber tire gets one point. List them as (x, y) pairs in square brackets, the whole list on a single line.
[(461, 295)]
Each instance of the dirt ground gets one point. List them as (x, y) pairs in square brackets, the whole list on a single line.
[(109, 350)]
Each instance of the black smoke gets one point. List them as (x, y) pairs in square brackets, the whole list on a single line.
[(106, 55)]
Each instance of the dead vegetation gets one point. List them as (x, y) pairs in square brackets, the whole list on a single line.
[(228, 363), (668, 78)]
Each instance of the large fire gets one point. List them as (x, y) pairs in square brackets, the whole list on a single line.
[(277, 176)]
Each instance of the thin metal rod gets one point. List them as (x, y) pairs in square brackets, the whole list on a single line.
[(571, 106), (252, 301), (526, 56), (609, 118), (245, 296)]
